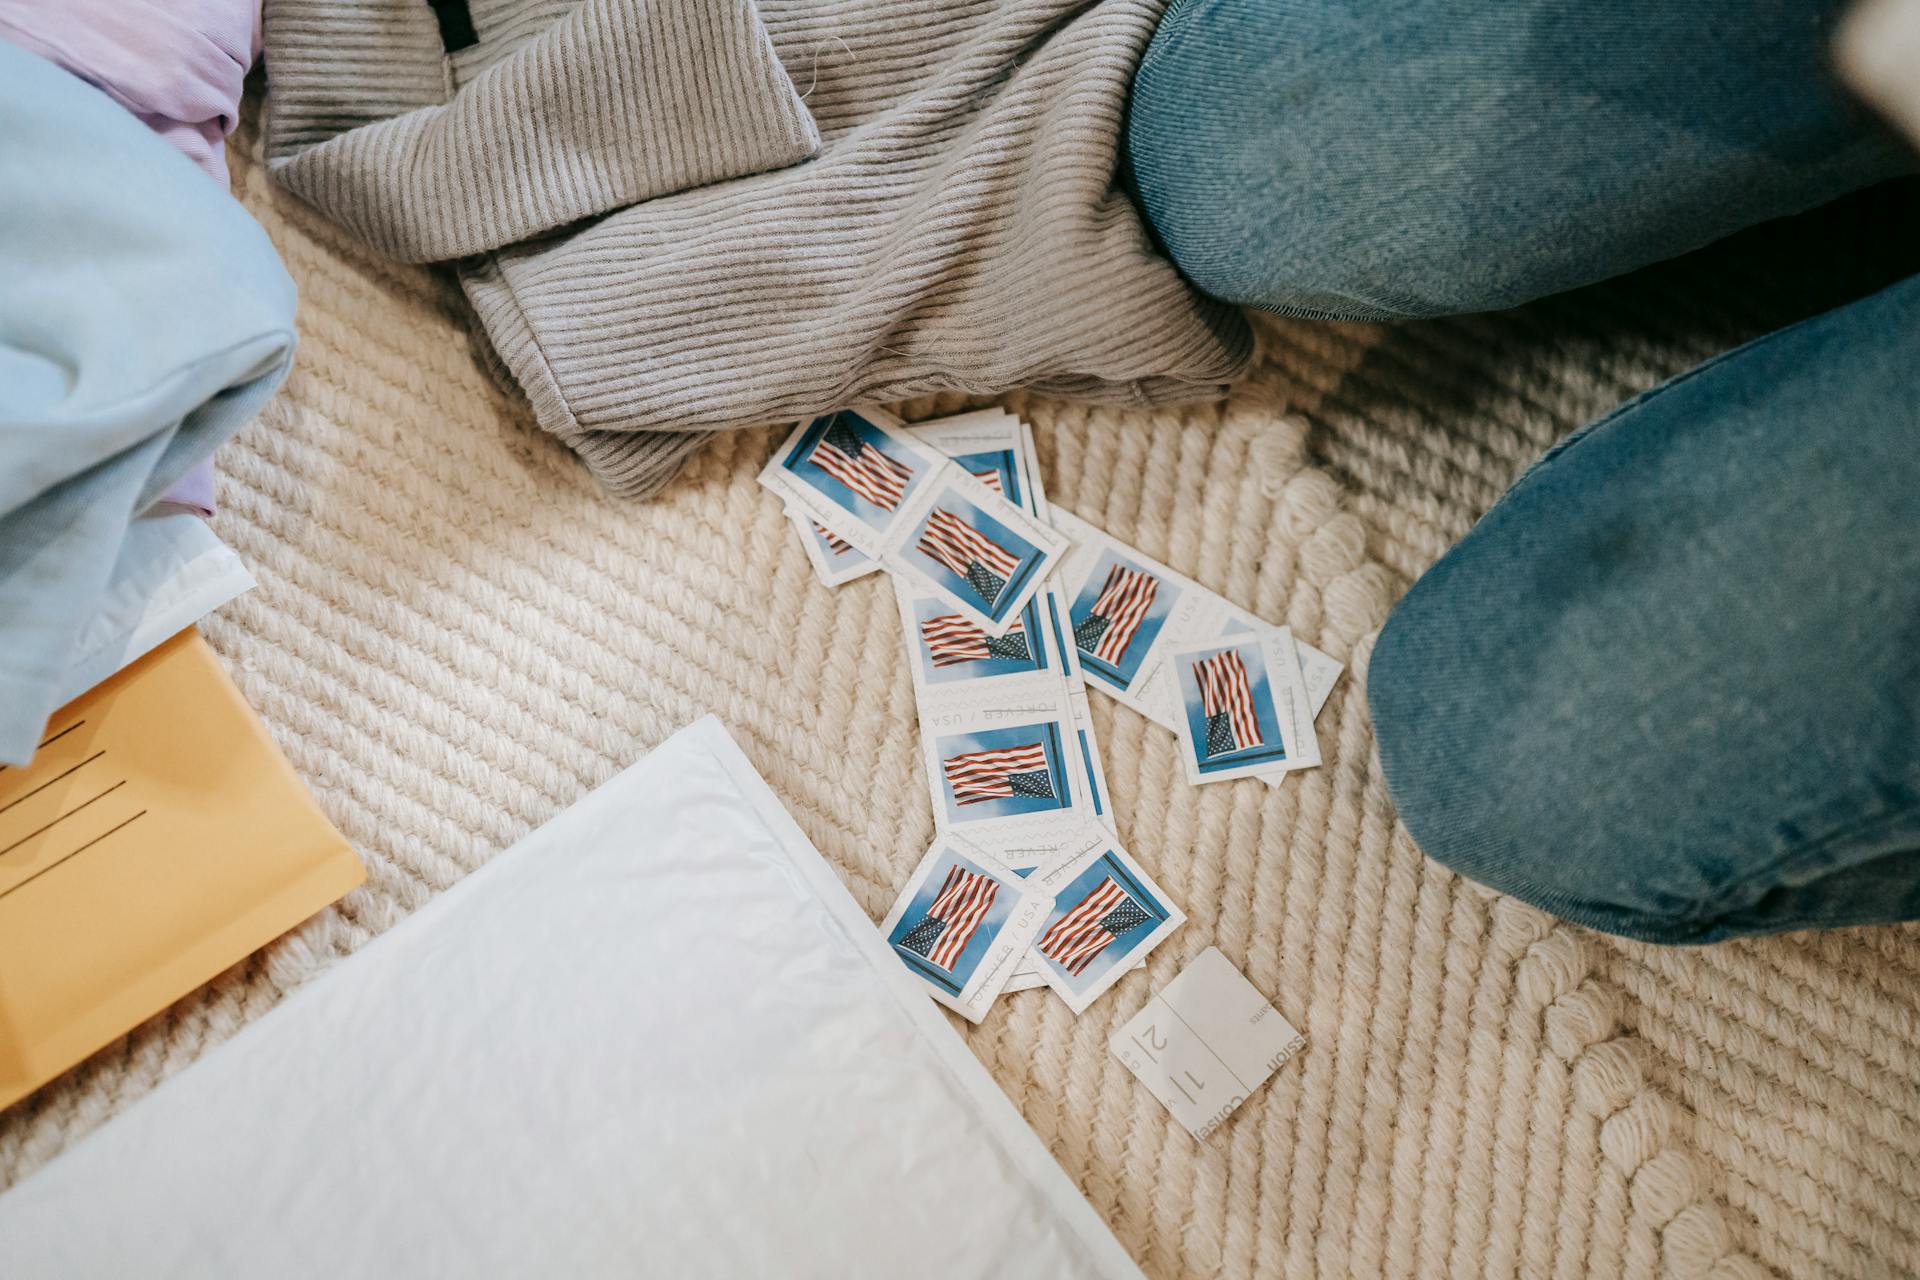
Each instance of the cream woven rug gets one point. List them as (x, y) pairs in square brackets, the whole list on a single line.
[(455, 636)]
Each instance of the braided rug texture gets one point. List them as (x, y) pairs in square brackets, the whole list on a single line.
[(456, 635)]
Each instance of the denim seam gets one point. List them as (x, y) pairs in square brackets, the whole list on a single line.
[(1167, 32), (1619, 921), (1806, 856), (1650, 395), (1665, 928)]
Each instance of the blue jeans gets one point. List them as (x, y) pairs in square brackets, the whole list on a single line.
[(1669, 687), (1432, 157)]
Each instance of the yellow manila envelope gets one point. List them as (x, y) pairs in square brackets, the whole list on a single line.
[(157, 838)]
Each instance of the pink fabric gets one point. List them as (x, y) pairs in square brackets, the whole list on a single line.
[(192, 491), (179, 65)]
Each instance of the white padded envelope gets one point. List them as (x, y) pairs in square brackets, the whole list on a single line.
[(654, 1038)]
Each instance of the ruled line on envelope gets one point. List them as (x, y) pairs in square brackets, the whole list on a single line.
[(72, 853), (50, 741), (50, 781), (63, 817)]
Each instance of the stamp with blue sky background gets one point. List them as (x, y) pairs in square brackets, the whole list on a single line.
[(980, 551), (961, 925), (858, 465), (1001, 772), (1105, 915), (1243, 707), (1117, 612), (1016, 770), (950, 649)]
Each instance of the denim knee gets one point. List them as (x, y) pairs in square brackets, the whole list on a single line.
[(1669, 687), (1525, 827), (1325, 158)]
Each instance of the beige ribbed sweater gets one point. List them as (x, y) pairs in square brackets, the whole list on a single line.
[(676, 216)]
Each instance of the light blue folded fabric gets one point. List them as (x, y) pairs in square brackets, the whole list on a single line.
[(144, 318)]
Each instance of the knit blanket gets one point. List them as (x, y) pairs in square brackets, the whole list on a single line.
[(457, 634)]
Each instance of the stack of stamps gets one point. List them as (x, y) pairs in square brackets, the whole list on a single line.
[(855, 480), (1009, 609), (1012, 761)]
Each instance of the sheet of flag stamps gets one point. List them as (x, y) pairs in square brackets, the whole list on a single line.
[(906, 505), (961, 925), (1127, 611), (979, 550), (1106, 915), (834, 559), (957, 667), (1243, 707), (1206, 1042)]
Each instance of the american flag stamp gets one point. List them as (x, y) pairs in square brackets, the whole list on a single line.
[(1118, 612), (1105, 915), (979, 551), (961, 925), (1129, 612), (1001, 771), (948, 649), (855, 473), (1243, 707), (834, 559), (955, 529)]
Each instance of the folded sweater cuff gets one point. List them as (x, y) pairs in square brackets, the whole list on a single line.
[(617, 102)]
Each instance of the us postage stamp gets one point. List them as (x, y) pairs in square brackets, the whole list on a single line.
[(1243, 707), (961, 925), (855, 472), (1105, 915), (1119, 608), (1117, 591), (1319, 670), (1001, 773), (979, 550), (834, 559), (949, 649)]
